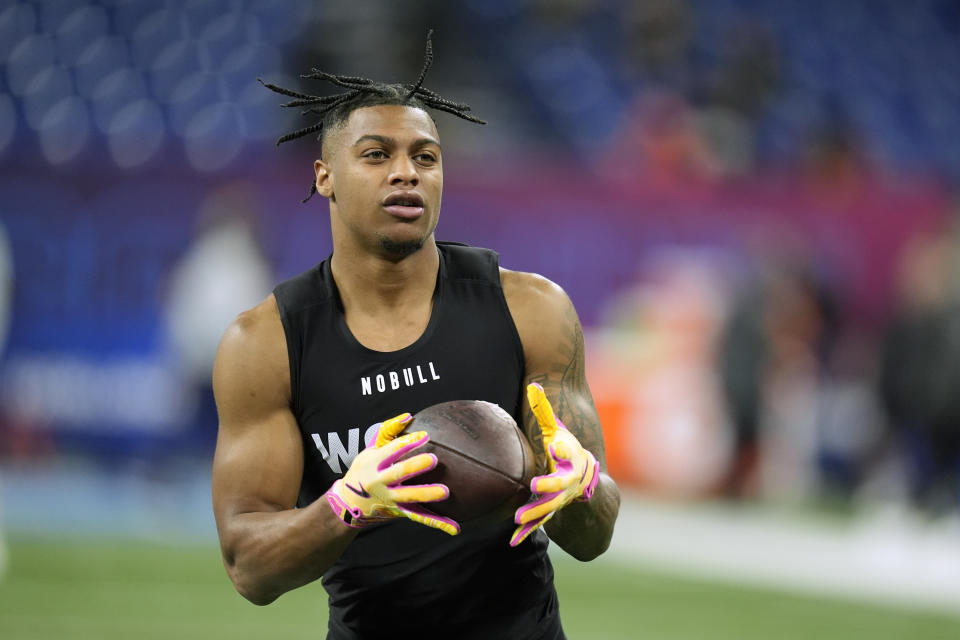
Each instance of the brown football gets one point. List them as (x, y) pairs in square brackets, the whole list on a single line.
[(482, 456)]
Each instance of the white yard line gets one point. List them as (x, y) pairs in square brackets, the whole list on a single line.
[(886, 557)]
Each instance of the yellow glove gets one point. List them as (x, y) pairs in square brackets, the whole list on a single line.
[(574, 472), (370, 490)]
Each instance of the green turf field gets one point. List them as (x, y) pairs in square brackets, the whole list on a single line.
[(134, 590)]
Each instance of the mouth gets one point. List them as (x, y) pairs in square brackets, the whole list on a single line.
[(407, 205)]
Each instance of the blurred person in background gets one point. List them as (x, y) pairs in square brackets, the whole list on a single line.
[(656, 38), (294, 382), (691, 119), (223, 272), (663, 127), (920, 368), (772, 355)]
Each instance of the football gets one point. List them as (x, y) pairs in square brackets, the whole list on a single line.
[(482, 456)]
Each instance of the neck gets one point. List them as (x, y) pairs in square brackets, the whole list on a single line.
[(373, 284)]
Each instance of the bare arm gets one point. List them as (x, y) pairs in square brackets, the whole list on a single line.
[(554, 353), (268, 546)]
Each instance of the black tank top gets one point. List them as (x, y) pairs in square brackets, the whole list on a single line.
[(400, 578)]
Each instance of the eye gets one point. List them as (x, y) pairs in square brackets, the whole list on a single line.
[(375, 154), (425, 158)]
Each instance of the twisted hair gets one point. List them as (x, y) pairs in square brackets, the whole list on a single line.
[(333, 110)]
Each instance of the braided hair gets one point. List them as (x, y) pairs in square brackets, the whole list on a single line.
[(362, 92)]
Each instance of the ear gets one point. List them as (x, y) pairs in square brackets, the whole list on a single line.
[(324, 180)]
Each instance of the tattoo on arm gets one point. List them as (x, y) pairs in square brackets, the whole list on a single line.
[(582, 529), (569, 394)]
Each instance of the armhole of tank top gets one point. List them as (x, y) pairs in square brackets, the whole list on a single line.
[(492, 278), (292, 359), (517, 343)]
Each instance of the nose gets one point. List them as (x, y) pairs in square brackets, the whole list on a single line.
[(403, 171)]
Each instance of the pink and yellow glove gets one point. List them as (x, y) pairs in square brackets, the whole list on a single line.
[(370, 490), (574, 472)]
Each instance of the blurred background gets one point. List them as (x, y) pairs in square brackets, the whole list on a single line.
[(753, 206)]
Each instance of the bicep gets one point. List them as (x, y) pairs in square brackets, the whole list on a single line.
[(554, 356), (258, 463), (257, 466)]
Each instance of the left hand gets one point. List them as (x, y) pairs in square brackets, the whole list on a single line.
[(573, 476)]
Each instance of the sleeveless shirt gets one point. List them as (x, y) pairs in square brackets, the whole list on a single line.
[(401, 577)]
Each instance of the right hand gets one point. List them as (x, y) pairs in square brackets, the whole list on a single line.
[(370, 490)]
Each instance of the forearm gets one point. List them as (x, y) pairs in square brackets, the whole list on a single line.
[(584, 529), (269, 553)]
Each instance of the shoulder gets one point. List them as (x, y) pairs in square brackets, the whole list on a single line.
[(252, 356), (541, 310), (255, 327), (532, 293)]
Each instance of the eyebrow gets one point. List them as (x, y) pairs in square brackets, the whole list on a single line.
[(390, 142)]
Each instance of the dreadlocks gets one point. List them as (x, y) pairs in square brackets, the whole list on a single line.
[(363, 92)]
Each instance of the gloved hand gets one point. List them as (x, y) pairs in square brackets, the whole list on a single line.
[(574, 471), (370, 490)]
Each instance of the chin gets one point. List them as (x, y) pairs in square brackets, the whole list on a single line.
[(400, 249)]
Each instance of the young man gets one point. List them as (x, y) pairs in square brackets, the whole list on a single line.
[(390, 323)]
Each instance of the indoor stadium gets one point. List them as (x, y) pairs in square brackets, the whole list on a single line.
[(754, 208)]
